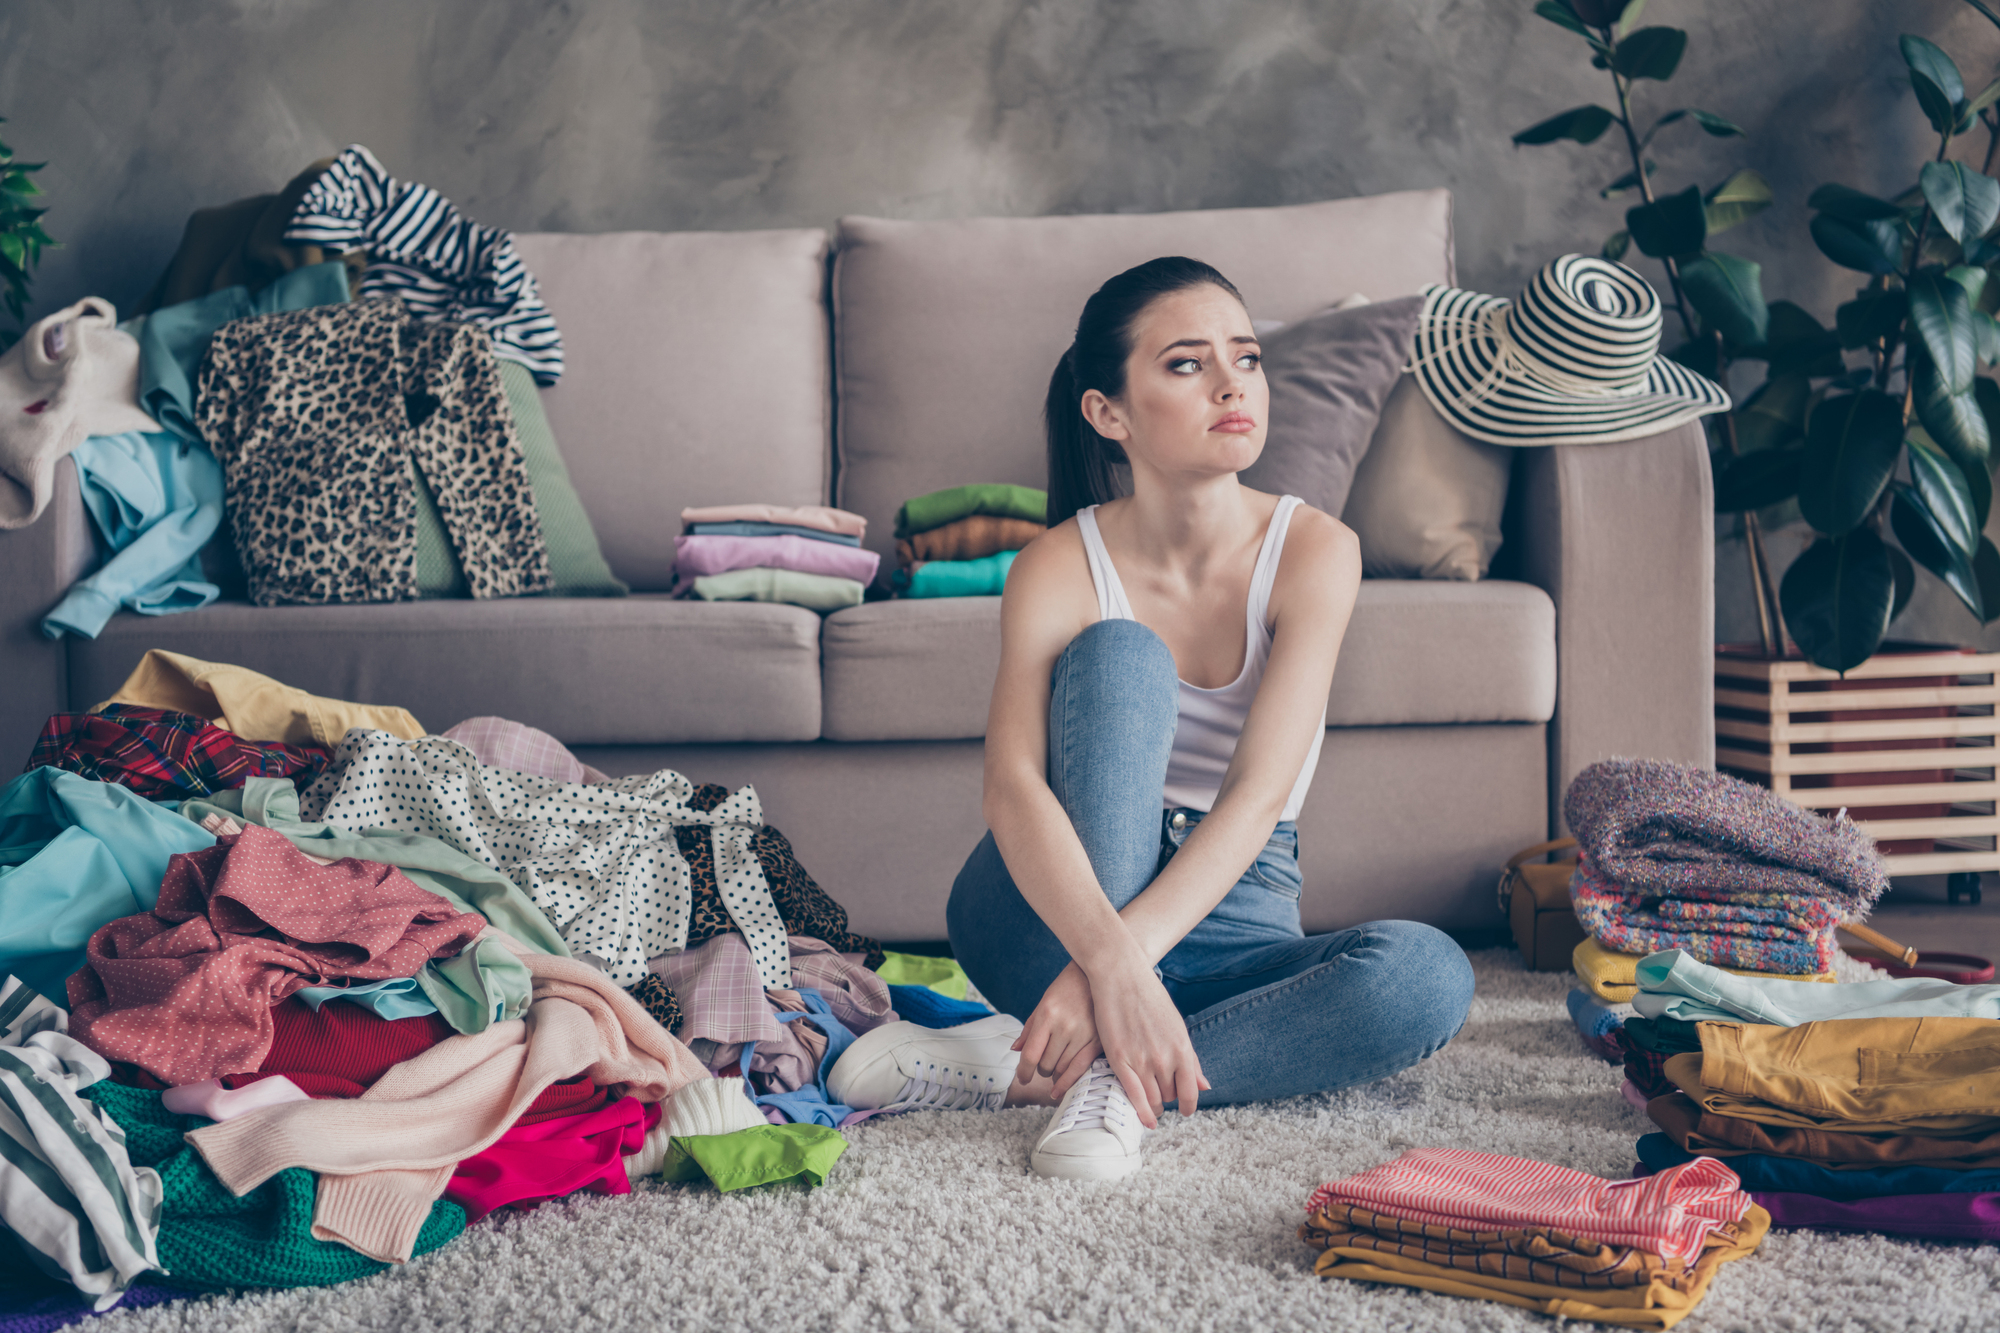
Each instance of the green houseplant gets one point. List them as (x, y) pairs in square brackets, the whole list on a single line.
[(21, 234), (1879, 428)]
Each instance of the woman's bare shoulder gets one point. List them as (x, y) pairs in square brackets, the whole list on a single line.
[(1050, 578)]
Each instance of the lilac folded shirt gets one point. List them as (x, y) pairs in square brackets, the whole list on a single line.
[(695, 557), (1937, 1216)]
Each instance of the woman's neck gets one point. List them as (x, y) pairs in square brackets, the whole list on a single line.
[(1186, 527)]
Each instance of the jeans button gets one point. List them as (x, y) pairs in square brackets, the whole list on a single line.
[(1179, 821)]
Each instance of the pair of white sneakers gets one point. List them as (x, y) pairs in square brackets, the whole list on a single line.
[(1093, 1135)]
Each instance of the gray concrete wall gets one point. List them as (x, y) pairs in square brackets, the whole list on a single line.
[(674, 114)]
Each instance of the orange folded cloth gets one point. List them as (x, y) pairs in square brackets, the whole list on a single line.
[(967, 538)]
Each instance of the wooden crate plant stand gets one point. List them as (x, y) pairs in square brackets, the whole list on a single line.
[(1905, 741)]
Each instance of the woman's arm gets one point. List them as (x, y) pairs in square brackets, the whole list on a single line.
[(1108, 998), (1311, 600)]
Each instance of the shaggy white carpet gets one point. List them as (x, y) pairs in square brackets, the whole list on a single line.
[(933, 1221)]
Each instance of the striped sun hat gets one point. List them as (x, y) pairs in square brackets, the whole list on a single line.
[(1575, 360)]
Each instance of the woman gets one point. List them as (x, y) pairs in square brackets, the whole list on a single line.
[(1161, 700)]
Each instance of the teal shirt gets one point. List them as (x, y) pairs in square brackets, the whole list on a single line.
[(1673, 984)]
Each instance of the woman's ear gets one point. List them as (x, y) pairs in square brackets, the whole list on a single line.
[(1104, 416)]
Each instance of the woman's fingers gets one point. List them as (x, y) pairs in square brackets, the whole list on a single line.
[(1034, 1038), (1187, 1083), (1076, 1067), (1138, 1093)]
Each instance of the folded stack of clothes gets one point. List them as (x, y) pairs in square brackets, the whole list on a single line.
[(322, 1002), (1677, 857), (807, 555), (1865, 1106), (961, 542), (1542, 1237)]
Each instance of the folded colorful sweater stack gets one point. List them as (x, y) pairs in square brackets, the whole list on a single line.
[(807, 555), (1534, 1235), (961, 542), (1678, 857)]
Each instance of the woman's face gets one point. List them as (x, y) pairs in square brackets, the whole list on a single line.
[(1195, 401)]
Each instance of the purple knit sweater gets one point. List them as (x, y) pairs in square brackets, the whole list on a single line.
[(1676, 831)]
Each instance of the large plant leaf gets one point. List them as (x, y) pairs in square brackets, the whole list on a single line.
[(1581, 123), (1851, 205), (1751, 481), (1905, 575), (1874, 248), (1870, 317), (1964, 201), (1939, 87), (1671, 226), (1955, 424), (1986, 569), (1616, 244), (1837, 598), (1729, 294), (1984, 98), (1701, 356), (1946, 495), (1775, 414), (1744, 195), (1562, 17), (1918, 530), (1942, 317), (1796, 343), (1628, 18), (1651, 53), (1629, 181), (1719, 126), (1852, 444)]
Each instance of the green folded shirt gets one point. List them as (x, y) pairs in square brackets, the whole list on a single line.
[(990, 497), (942, 975), (760, 1155), (984, 577), (815, 592)]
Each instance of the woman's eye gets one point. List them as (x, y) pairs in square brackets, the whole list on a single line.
[(1249, 361), (1187, 365)]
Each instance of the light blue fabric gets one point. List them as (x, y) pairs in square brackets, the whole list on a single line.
[(156, 500), (75, 855), (1271, 1010), (398, 997), (1674, 984), (172, 341), (812, 1105)]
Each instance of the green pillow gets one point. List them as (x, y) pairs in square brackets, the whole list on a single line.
[(576, 564)]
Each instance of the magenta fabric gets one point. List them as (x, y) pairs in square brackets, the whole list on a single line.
[(695, 557), (554, 1158), (1933, 1216)]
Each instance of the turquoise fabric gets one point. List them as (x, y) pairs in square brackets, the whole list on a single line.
[(211, 1239), (76, 855), (484, 983), (156, 500), (760, 1155), (398, 997), (172, 341), (984, 577), (1674, 984)]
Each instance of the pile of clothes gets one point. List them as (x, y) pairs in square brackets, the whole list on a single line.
[(1863, 1106), (1677, 857), (292, 989), (807, 555), (352, 326), (1641, 1253), (961, 542)]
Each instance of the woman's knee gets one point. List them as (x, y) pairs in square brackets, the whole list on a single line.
[(1122, 656), (1421, 961)]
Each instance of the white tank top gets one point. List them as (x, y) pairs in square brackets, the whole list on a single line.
[(1211, 720)]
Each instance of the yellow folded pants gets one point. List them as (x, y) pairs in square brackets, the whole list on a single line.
[(1613, 977), (255, 707)]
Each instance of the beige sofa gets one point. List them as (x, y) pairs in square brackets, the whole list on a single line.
[(898, 358)]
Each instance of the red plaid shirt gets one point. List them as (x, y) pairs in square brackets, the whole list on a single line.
[(165, 756)]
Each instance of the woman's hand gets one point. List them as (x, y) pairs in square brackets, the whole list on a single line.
[(1060, 1038), (1145, 1039)]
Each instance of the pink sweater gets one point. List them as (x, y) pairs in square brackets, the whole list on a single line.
[(386, 1156), (695, 557)]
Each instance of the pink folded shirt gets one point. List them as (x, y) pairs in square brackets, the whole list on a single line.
[(695, 557), (799, 516)]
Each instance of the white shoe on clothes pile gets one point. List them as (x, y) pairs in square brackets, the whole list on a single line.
[(706, 1106), (908, 1067), (1094, 1133)]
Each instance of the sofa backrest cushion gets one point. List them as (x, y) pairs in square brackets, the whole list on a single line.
[(946, 332), (696, 374)]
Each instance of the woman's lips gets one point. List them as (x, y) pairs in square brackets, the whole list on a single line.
[(1235, 424)]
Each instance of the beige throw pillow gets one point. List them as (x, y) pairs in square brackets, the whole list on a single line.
[(1427, 498)]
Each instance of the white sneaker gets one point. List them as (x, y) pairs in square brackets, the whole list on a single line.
[(907, 1067), (1094, 1134)]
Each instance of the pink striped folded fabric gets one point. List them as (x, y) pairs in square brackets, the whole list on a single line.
[(822, 517), (695, 557), (1668, 1214)]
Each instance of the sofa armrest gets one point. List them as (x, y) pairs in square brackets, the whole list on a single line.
[(39, 562), (1622, 538)]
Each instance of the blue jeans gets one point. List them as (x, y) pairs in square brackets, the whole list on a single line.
[(1272, 1011)]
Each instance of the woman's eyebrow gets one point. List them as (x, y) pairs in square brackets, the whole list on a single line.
[(1203, 342)]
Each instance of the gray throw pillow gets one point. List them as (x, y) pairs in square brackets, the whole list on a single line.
[(1330, 374)]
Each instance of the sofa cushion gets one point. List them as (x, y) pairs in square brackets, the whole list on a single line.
[(947, 331), (642, 669), (696, 374), (1417, 652)]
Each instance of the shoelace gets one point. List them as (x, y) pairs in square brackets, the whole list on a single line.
[(1098, 1101), (942, 1088)]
